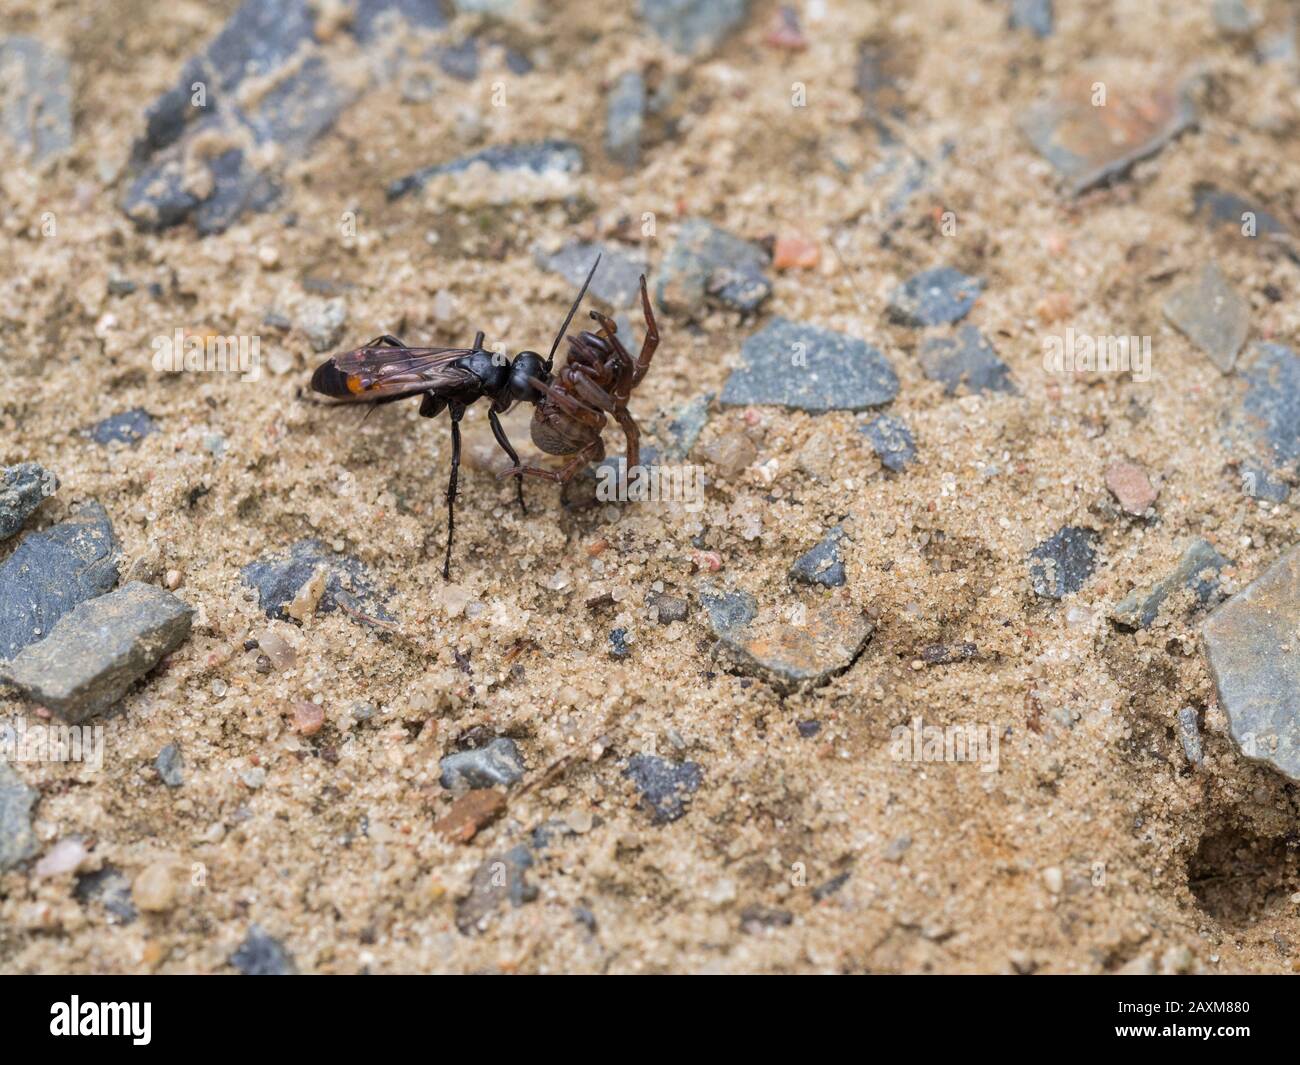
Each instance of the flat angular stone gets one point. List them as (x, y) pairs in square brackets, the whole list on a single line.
[(617, 280), (297, 95), (683, 432), (17, 841), (1090, 145), (710, 265), (129, 427), (168, 765), (693, 27), (22, 489), (1036, 16), (938, 296), (795, 648), (892, 441), (100, 648), (500, 879), (665, 786), (967, 361), (1197, 570), (263, 955), (35, 98), (50, 572), (625, 119), (822, 564), (1062, 562), (279, 577), (804, 367), (497, 763), (1240, 219), (509, 173), (1210, 313), (111, 889), (1259, 483), (1265, 425), (1189, 732), (1253, 649)]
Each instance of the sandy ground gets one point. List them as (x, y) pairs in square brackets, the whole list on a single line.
[(1092, 848)]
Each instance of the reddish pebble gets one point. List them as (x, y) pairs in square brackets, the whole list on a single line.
[(710, 561), (785, 31), (792, 252), (307, 718), (1131, 486), (471, 812)]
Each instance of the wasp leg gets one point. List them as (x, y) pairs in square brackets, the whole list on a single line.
[(456, 413), (388, 339), (499, 432)]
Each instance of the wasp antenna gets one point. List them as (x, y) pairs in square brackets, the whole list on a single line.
[(572, 311)]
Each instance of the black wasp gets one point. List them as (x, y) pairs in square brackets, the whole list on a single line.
[(450, 379)]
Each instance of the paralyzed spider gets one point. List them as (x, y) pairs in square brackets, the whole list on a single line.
[(597, 378)]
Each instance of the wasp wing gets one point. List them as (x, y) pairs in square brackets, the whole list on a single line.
[(372, 374)]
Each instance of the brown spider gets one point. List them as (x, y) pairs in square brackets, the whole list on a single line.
[(597, 379)]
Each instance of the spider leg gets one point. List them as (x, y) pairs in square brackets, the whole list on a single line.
[(651, 337)]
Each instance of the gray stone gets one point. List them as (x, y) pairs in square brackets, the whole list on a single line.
[(792, 648), (272, 45), (1189, 732), (1197, 570), (938, 296), (128, 427), (460, 61), (535, 158), (664, 785), (323, 321), (169, 765), (1210, 313), (17, 841), (22, 488), (618, 645), (617, 280), (279, 577), (1226, 212), (1259, 483), (822, 564), (100, 648), (1233, 18), (1036, 16), (686, 426), (1090, 144), (111, 889), (803, 367), (500, 879), (880, 79), (263, 955), (625, 119), (709, 265), (1252, 644), (50, 572), (692, 27), (1062, 562), (966, 360), (36, 105), (1265, 426), (892, 441), (497, 763), (670, 607)]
